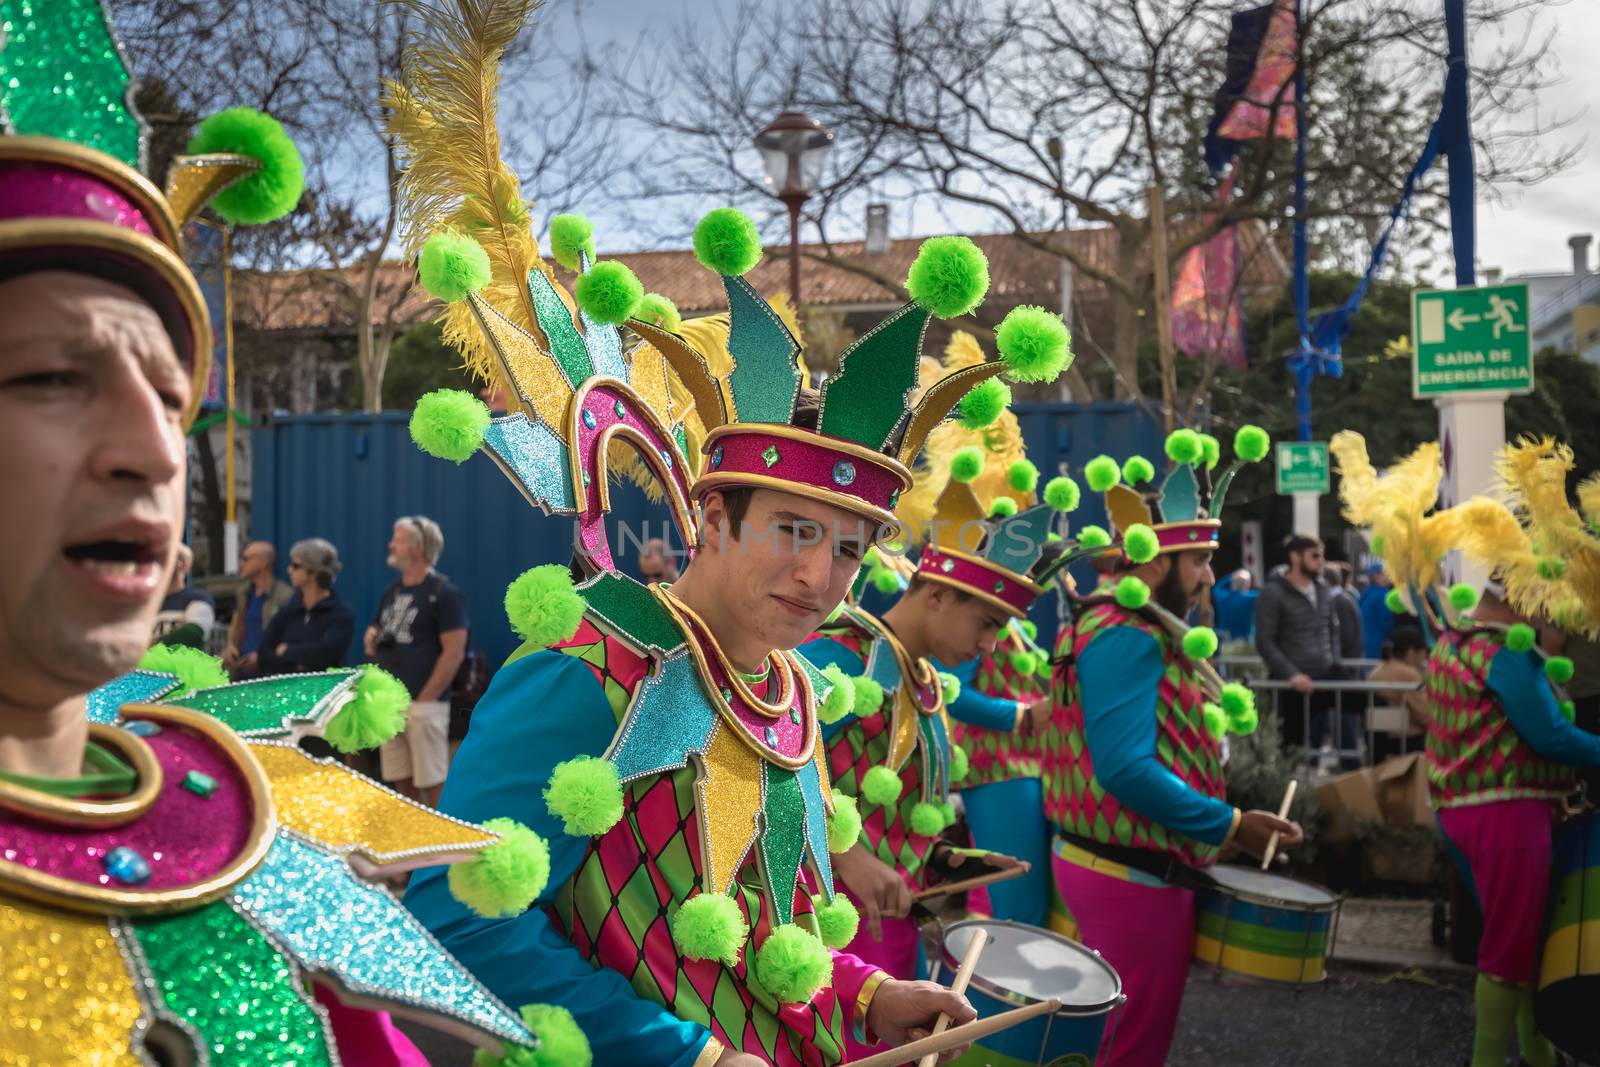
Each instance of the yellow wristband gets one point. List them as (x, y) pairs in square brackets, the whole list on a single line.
[(1233, 828), (710, 1054), (869, 989)]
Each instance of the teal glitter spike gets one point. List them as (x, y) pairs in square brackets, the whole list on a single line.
[(681, 435), (556, 321), (223, 980), (1220, 493), (936, 746), (783, 838), (535, 457), (881, 665), (135, 687), (766, 374), (334, 923), (630, 611), (810, 780), (270, 707), (670, 718), (1180, 495), (867, 397), (1017, 543), (604, 344), (62, 74)]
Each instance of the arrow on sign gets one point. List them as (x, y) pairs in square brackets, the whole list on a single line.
[(1459, 318)]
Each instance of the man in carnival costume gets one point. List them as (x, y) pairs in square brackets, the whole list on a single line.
[(1133, 767), (179, 880), (664, 737), (1502, 752)]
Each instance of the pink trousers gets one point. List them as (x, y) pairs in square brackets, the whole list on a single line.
[(368, 1038), (896, 953), (1506, 845)]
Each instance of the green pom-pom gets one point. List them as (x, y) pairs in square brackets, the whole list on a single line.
[(1141, 543), (926, 819), (505, 878), (1051, 538), (1520, 637), (881, 786), (967, 463), (959, 762), (1237, 699), (836, 922), (1002, 508), (1569, 710), (586, 795), (1022, 476), (195, 669), (1062, 493), (1251, 444), (792, 964), (657, 310), (571, 235), (1378, 544), (452, 267), (726, 241), (1184, 446), (1552, 568), (609, 292), (1029, 629), (1102, 473), (1210, 451), (1132, 593), (449, 424), (561, 1041), (1245, 722), (948, 811), (884, 580), (710, 926), (1216, 721), (948, 277), (841, 699), (1137, 469), (1558, 669), (1093, 537), (1463, 597), (869, 696), (949, 687), (1024, 663), (542, 605), (1200, 643), (983, 403), (1035, 344), (271, 192), (374, 716), (1395, 602), (844, 825)]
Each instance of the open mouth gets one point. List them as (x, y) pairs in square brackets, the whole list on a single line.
[(122, 566)]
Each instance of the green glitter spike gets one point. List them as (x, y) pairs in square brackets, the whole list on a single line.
[(271, 706), (566, 345), (783, 838), (629, 610), (62, 74), (865, 399), (1180, 495), (766, 375)]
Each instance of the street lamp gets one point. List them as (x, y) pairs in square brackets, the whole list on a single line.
[(793, 150)]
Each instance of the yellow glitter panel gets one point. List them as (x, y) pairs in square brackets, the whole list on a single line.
[(532, 373), (69, 1000), (730, 800), (340, 809), (193, 180)]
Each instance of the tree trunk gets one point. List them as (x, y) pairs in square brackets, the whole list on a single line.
[(1125, 351), (372, 350)]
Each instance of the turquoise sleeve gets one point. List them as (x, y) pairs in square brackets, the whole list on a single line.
[(1119, 679), (1530, 703), (539, 711), (821, 652), (979, 709)]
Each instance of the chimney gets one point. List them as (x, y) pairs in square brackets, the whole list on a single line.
[(877, 229), (1491, 275), (1579, 243)]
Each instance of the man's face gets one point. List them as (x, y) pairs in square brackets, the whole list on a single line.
[(653, 567), (256, 560), (92, 398), (1307, 561), (1187, 581), (405, 547), (961, 628), (790, 566)]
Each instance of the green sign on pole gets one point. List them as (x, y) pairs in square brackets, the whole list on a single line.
[(1471, 341), (1302, 467)]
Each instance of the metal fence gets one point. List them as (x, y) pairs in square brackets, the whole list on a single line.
[(1351, 714)]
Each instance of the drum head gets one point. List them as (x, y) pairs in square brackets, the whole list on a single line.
[(1272, 888), (1024, 964)]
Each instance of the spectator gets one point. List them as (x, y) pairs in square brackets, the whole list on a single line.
[(313, 630), (1347, 608), (1236, 606), (419, 635), (655, 564), (1377, 621), (1297, 634), (1404, 657), (264, 596), (185, 607)]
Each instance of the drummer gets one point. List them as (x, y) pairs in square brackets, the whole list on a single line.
[(1137, 820)]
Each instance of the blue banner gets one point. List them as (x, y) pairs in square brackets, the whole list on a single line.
[(205, 248)]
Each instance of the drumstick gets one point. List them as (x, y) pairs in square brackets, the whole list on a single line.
[(1002, 874), (961, 1035), (1283, 813), (969, 961)]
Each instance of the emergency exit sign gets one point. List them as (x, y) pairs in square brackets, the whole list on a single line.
[(1302, 467), (1471, 340)]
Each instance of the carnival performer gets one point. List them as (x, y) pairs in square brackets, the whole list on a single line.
[(179, 881), (1502, 752), (1133, 767)]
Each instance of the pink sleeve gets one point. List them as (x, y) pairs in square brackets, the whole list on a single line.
[(368, 1038), (854, 981)]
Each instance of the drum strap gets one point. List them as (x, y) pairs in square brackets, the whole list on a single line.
[(1155, 864)]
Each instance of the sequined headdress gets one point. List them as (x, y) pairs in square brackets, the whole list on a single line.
[(72, 196)]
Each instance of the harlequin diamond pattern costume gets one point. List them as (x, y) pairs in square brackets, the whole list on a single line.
[(1133, 775)]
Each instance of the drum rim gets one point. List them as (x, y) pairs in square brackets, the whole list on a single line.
[(1333, 904), (1011, 996)]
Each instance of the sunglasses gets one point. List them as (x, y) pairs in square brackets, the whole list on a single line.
[(296, 565)]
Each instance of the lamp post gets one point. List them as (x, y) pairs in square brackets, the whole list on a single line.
[(793, 150)]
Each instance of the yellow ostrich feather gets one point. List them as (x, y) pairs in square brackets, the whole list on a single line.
[(1396, 505), (1589, 499), (1533, 475)]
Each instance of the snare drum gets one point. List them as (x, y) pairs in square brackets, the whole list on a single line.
[(1265, 925), (1569, 971), (1024, 965)]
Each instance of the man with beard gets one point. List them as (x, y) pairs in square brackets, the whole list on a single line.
[(1138, 820)]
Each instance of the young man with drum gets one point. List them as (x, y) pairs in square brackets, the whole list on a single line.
[(1133, 760)]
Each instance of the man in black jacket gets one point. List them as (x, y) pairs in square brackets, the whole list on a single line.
[(1297, 634), (314, 630)]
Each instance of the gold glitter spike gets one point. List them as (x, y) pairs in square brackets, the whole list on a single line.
[(729, 794), (68, 996), (355, 816), (959, 522), (1127, 507), (536, 379), (194, 180)]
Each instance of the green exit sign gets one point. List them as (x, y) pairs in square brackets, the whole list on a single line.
[(1471, 340), (1302, 467)]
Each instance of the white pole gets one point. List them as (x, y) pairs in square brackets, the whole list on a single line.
[(1472, 430), (1307, 514)]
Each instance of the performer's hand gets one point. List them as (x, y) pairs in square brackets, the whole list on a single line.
[(879, 889), (951, 859), (1257, 827), (1037, 719), (735, 1058), (230, 657), (1301, 683), (906, 1011)]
